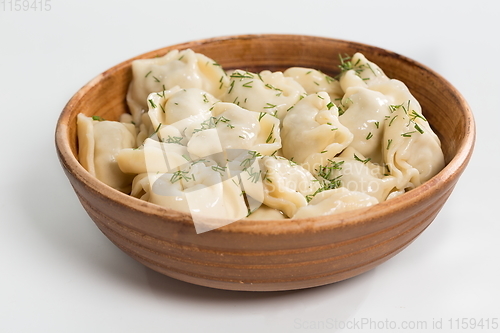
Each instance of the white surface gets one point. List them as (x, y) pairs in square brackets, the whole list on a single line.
[(60, 274)]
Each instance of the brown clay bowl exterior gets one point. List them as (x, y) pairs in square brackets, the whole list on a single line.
[(282, 254)]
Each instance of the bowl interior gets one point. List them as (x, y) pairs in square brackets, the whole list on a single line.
[(442, 105)]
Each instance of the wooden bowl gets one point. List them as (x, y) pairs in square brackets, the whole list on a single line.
[(281, 254)]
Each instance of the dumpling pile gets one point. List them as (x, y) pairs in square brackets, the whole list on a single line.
[(225, 145)]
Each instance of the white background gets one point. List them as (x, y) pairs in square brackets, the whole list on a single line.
[(58, 273)]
